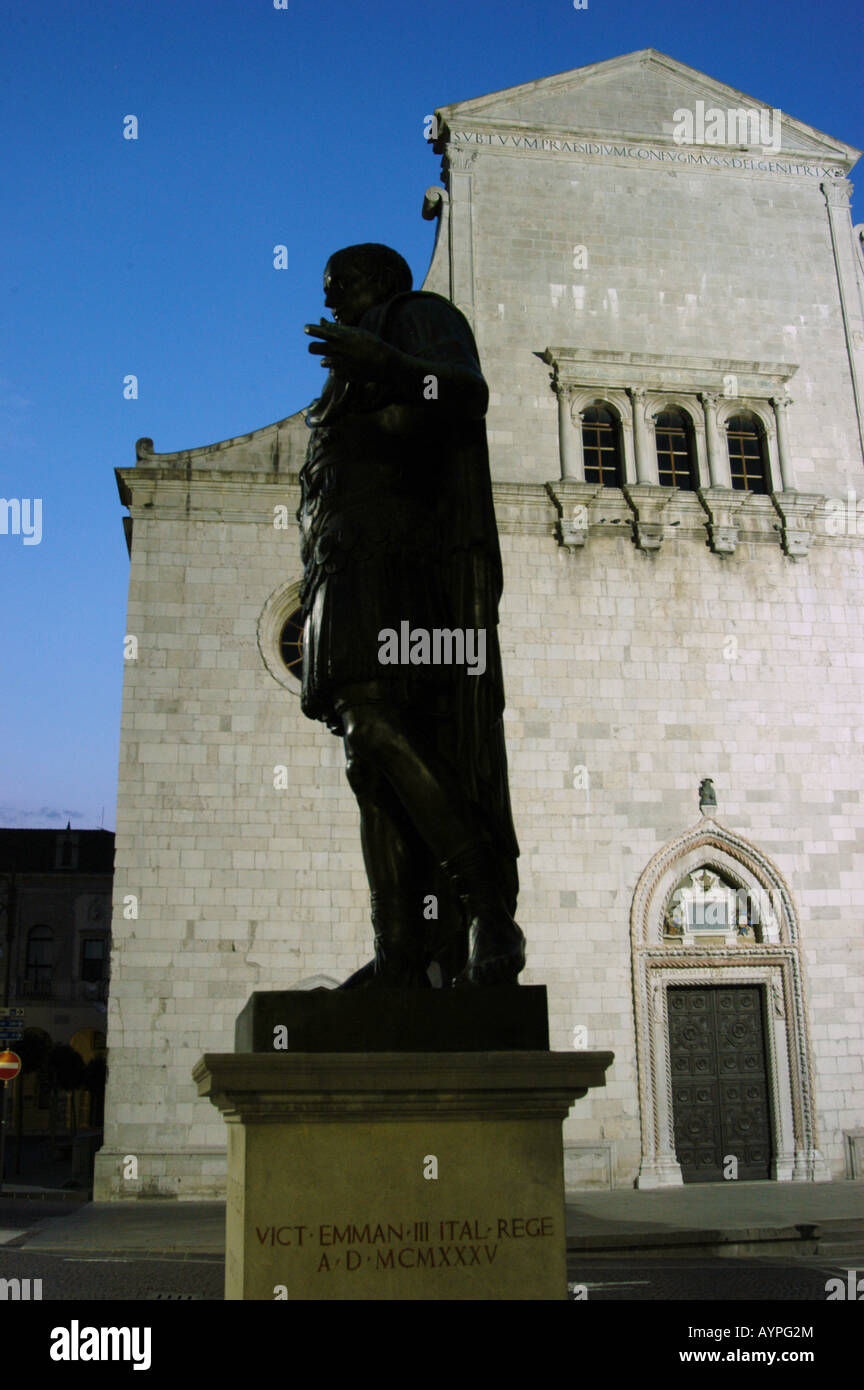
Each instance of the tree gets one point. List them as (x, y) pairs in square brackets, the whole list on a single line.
[(95, 1075), (66, 1069), (32, 1047)]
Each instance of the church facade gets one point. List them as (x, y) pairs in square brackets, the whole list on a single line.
[(668, 298)]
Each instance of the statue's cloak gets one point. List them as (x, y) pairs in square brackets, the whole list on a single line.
[(398, 523)]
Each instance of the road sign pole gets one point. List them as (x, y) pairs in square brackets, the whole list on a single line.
[(10, 1067), (2, 1131)]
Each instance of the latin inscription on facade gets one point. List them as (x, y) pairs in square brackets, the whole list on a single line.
[(643, 152)]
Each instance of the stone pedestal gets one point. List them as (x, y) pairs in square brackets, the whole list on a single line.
[(396, 1175), (506, 1019)]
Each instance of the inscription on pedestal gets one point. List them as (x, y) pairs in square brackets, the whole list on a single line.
[(452, 1243)]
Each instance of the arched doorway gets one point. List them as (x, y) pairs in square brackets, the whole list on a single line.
[(722, 1042)]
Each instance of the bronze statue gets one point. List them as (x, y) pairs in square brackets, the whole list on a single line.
[(401, 583)]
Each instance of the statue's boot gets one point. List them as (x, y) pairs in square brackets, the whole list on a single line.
[(400, 948), (496, 951), (361, 978)]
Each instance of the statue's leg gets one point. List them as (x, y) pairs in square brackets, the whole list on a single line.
[(496, 953), (397, 863), (375, 733)]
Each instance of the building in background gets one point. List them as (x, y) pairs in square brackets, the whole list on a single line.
[(666, 291), (55, 938)]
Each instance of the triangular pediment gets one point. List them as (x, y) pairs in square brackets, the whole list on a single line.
[(634, 96)]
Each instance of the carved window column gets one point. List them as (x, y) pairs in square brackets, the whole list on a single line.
[(569, 437), (459, 161), (646, 468), (718, 457), (837, 194), (787, 476), (797, 510)]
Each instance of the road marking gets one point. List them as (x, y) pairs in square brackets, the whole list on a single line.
[(96, 1259), (618, 1284), (136, 1258), (7, 1234)]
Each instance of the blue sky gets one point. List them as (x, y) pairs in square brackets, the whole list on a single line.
[(257, 127)]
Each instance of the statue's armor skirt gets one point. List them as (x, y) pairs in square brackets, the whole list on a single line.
[(350, 608), (372, 561)]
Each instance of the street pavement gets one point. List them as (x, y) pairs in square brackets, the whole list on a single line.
[(714, 1280), (795, 1219), (122, 1278), (744, 1241)]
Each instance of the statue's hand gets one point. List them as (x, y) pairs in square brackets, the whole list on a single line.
[(353, 353)]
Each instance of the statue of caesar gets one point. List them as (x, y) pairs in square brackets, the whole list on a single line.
[(398, 536)]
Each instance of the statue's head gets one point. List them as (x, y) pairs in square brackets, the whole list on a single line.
[(358, 277)]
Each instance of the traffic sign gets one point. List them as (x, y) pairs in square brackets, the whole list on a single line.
[(11, 1024), (10, 1065)]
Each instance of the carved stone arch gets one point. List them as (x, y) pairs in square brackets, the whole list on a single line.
[(774, 965), (733, 857), (728, 406), (583, 397), (658, 401)]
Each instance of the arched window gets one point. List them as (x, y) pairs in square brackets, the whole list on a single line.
[(40, 960), (676, 456), (291, 643), (747, 459), (601, 447)]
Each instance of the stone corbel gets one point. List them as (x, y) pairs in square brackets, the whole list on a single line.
[(648, 502), (578, 506), (572, 534), (435, 203), (722, 505), (796, 511)]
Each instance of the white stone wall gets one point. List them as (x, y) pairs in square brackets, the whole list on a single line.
[(614, 662), (720, 264)]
